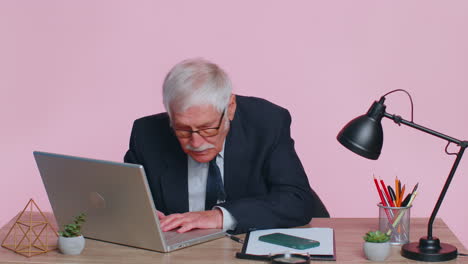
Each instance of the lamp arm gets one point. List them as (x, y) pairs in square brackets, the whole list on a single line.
[(444, 191), (463, 145), (397, 119)]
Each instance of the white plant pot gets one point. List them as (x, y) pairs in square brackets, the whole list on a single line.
[(377, 251), (71, 245)]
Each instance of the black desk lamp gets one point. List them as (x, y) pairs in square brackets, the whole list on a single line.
[(364, 136)]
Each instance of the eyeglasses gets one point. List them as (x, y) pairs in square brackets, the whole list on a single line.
[(206, 132)]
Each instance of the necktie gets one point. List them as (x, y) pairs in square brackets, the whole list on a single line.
[(214, 186)]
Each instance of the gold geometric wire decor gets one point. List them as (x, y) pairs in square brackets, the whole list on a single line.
[(31, 233)]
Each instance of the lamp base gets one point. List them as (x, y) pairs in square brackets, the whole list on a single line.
[(429, 250)]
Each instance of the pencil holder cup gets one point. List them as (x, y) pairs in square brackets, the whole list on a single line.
[(396, 222)]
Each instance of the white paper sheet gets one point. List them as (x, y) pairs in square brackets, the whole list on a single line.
[(323, 235)]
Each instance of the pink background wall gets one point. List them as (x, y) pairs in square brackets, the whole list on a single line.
[(75, 74)]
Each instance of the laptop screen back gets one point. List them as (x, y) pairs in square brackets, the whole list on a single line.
[(115, 196)]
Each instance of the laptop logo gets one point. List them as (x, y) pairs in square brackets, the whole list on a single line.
[(97, 201)]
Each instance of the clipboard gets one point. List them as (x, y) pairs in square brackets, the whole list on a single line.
[(325, 235)]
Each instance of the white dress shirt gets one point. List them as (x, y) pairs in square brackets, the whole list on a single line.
[(197, 177)]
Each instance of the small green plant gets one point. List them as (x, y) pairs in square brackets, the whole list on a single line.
[(376, 237), (74, 230)]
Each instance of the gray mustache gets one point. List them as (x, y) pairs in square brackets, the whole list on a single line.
[(201, 148)]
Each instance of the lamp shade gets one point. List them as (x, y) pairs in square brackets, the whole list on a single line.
[(364, 135)]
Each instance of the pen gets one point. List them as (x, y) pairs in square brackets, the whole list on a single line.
[(408, 196), (392, 192), (399, 188), (238, 240), (406, 200)]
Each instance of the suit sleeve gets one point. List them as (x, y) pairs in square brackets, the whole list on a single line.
[(290, 201)]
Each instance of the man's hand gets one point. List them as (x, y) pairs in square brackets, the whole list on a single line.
[(192, 220), (161, 215)]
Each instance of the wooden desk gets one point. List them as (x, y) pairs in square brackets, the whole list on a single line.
[(348, 235)]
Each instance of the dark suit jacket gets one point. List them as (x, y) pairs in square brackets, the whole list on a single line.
[(264, 180)]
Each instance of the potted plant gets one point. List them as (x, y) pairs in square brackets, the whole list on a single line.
[(377, 245), (71, 241)]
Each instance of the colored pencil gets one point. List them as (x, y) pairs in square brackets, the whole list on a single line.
[(389, 198)]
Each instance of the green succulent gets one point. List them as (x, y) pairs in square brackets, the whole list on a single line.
[(376, 237), (73, 230)]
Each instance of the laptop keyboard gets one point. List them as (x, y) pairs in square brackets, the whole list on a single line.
[(172, 237)]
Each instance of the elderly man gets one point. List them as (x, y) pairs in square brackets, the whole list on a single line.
[(219, 160)]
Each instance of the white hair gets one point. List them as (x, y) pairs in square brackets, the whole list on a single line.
[(196, 82)]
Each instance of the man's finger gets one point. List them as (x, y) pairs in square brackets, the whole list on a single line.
[(160, 215), (167, 220), (186, 227), (173, 222)]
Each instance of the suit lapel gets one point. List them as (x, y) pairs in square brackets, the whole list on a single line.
[(174, 180), (236, 161)]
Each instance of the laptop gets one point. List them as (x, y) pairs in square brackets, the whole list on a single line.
[(117, 200)]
